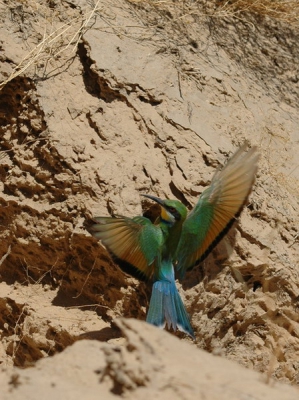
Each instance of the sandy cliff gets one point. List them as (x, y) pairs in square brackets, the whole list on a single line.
[(148, 100)]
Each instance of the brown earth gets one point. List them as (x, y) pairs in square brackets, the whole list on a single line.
[(148, 100)]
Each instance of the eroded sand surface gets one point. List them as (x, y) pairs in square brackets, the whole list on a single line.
[(144, 104)]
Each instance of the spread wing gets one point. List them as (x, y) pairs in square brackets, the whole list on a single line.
[(134, 243), (217, 208)]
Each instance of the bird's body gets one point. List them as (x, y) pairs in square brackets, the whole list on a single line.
[(177, 240)]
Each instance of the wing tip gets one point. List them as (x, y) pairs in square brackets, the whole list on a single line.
[(130, 269)]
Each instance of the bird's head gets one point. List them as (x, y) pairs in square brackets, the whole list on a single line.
[(171, 210)]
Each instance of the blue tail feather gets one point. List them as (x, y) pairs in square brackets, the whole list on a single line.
[(166, 307)]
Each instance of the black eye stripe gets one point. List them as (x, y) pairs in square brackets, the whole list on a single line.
[(175, 213)]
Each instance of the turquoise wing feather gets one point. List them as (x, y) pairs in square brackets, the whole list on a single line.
[(134, 243), (216, 210)]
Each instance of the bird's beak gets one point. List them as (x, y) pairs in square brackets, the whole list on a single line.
[(156, 199), (165, 215)]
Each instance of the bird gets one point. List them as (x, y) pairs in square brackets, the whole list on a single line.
[(178, 240)]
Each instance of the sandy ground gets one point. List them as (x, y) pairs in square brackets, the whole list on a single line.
[(145, 102)]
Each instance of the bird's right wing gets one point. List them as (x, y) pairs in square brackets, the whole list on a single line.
[(217, 208), (135, 243)]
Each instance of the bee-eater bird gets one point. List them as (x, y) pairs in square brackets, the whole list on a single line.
[(177, 241)]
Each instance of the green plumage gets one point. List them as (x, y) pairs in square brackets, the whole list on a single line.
[(178, 240)]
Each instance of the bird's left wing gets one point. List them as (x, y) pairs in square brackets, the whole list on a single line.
[(134, 243), (216, 210)]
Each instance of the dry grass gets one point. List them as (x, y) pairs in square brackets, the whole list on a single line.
[(284, 11), (281, 10), (57, 37)]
